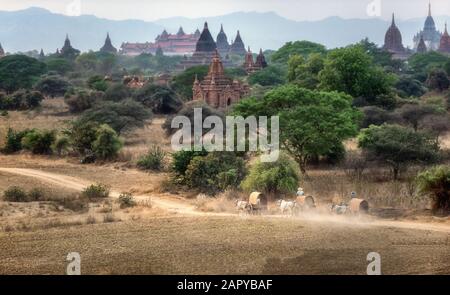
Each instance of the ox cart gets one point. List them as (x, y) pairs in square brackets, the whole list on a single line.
[(258, 202)]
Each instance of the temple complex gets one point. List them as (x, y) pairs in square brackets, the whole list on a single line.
[(444, 46), (171, 44), (205, 50), (430, 35), (216, 89), (250, 66), (108, 47), (238, 47)]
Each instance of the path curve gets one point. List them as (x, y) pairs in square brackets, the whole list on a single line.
[(180, 207)]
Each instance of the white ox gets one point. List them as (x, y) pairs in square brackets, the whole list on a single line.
[(243, 206), (287, 206)]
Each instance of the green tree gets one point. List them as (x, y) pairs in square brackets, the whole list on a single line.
[(13, 141), (436, 183), (160, 99), (269, 76), (409, 87), (438, 80), (19, 71), (82, 135), (107, 143), (117, 92), (398, 146), (52, 86), (121, 116), (182, 83), (351, 70), (304, 48), (424, 63), (305, 72), (59, 65), (39, 141), (280, 177), (312, 123)]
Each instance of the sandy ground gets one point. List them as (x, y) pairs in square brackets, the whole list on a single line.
[(193, 242)]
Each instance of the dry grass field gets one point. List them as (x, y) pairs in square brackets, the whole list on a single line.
[(176, 233)]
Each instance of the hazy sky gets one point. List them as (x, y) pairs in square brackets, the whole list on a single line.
[(292, 9)]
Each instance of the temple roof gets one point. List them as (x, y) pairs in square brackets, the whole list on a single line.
[(422, 47), (393, 38), (181, 32), (222, 40), (445, 41), (108, 47), (429, 22), (261, 60), (238, 46), (206, 42)]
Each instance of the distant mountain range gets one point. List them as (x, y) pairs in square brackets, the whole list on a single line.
[(37, 28)]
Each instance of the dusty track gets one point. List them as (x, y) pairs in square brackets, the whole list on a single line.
[(183, 208)]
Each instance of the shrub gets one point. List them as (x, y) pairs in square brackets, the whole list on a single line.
[(438, 80), (52, 86), (96, 191), (436, 183), (215, 172), (280, 177), (15, 194), (107, 143), (97, 83), (117, 92), (126, 200), (61, 145), (160, 99), (79, 101), (21, 100), (36, 194), (39, 142), (153, 160), (182, 159), (14, 141)]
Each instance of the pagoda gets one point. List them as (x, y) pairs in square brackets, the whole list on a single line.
[(422, 47), (68, 51), (222, 42), (445, 41), (216, 89), (261, 60), (430, 35), (393, 39), (238, 47), (108, 47)]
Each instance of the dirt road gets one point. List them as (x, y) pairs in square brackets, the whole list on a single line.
[(211, 243)]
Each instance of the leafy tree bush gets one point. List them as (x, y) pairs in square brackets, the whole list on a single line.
[(121, 116), (409, 87), (304, 48), (82, 135), (96, 191), (436, 182), (15, 194), (97, 83), (215, 172), (19, 72), (182, 159), (280, 177), (21, 100), (117, 92), (61, 145), (414, 113), (153, 160), (312, 123), (52, 86), (422, 64), (126, 200), (269, 76), (60, 66), (188, 111), (182, 83), (374, 115), (13, 141), (305, 73), (107, 143), (160, 99), (438, 80), (81, 100), (398, 146), (39, 141), (351, 70)]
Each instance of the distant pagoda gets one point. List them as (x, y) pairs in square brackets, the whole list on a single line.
[(445, 41), (216, 89), (261, 60), (2, 52), (421, 47), (41, 54), (250, 66), (431, 36), (393, 39), (68, 51), (222, 42), (205, 50), (108, 47), (238, 47)]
